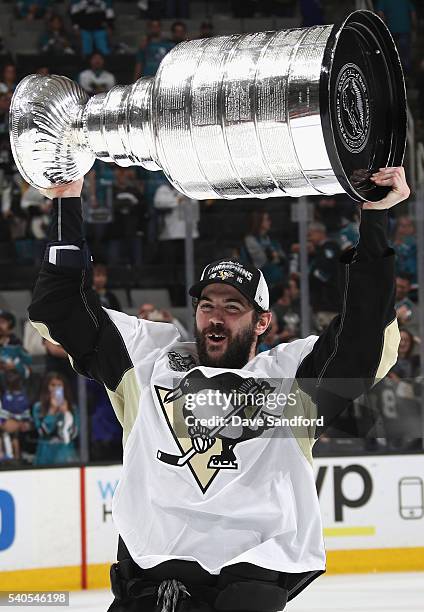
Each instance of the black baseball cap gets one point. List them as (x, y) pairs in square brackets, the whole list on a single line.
[(245, 278), (8, 316)]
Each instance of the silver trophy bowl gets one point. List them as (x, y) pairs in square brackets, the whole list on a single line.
[(310, 111)]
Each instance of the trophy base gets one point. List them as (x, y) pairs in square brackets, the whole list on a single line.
[(363, 104)]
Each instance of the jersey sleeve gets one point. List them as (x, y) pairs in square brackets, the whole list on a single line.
[(65, 309), (360, 345)]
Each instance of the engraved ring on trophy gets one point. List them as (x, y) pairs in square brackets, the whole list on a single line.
[(311, 111)]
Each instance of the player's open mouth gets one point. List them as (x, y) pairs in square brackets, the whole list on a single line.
[(216, 338)]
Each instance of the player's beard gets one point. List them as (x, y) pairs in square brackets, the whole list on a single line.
[(238, 347)]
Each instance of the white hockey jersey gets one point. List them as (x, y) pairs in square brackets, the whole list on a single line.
[(262, 509), (228, 493)]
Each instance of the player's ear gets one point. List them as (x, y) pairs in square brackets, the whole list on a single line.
[(262, 323)]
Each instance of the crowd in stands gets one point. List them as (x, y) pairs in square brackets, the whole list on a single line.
[(135, 218), (129, 210), (39, 414)]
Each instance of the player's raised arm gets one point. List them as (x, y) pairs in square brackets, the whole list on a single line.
[(360, 345), (65, 308), (102, 343)]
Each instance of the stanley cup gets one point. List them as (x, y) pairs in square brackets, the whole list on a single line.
[(289, 113)]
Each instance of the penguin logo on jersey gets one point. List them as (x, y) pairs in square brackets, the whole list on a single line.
[(204, 432)]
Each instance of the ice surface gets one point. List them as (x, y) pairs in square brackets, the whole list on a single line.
[(400, 592)]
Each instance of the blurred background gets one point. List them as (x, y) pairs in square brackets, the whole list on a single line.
[(148, 243)]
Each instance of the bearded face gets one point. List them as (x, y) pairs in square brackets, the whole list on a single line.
[(219, 347), (226, 327)]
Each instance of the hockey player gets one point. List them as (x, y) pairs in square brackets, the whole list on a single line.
[(220, 515)]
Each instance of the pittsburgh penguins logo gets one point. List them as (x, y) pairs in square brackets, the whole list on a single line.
[(200, 413), (352, 108), (224, 274)]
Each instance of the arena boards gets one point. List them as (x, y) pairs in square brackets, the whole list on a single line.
[(57, 531)]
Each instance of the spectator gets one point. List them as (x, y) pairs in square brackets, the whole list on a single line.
[(15, 417), (124, 234), (16, 218), (32, 9), (406, 311), (329, 212), (152, 313), (171, 206), (206, 30), (271, 337), (264, 252), (294, 289), (57, 361), (6, 159), (323, 275), (33, 343), (407, 365), (405, 245), (98, 211), (153, 49), (56, 421), (151, 182), (99, 190), (335, 212), (349, 232), (168, 317), (13, 357), (398, 397), (401, 18), (90, 18), (146, 310), (8, 317), (8, 79), (286, 316), (56, 358), (96, 79), (149, 312), (107, 298), (178, 32), (105, 430), (56, 41)]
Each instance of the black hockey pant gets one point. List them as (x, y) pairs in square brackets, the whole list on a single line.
[(184, 586)]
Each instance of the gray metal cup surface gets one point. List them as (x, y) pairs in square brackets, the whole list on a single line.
[(244, 111), (227, 117)]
